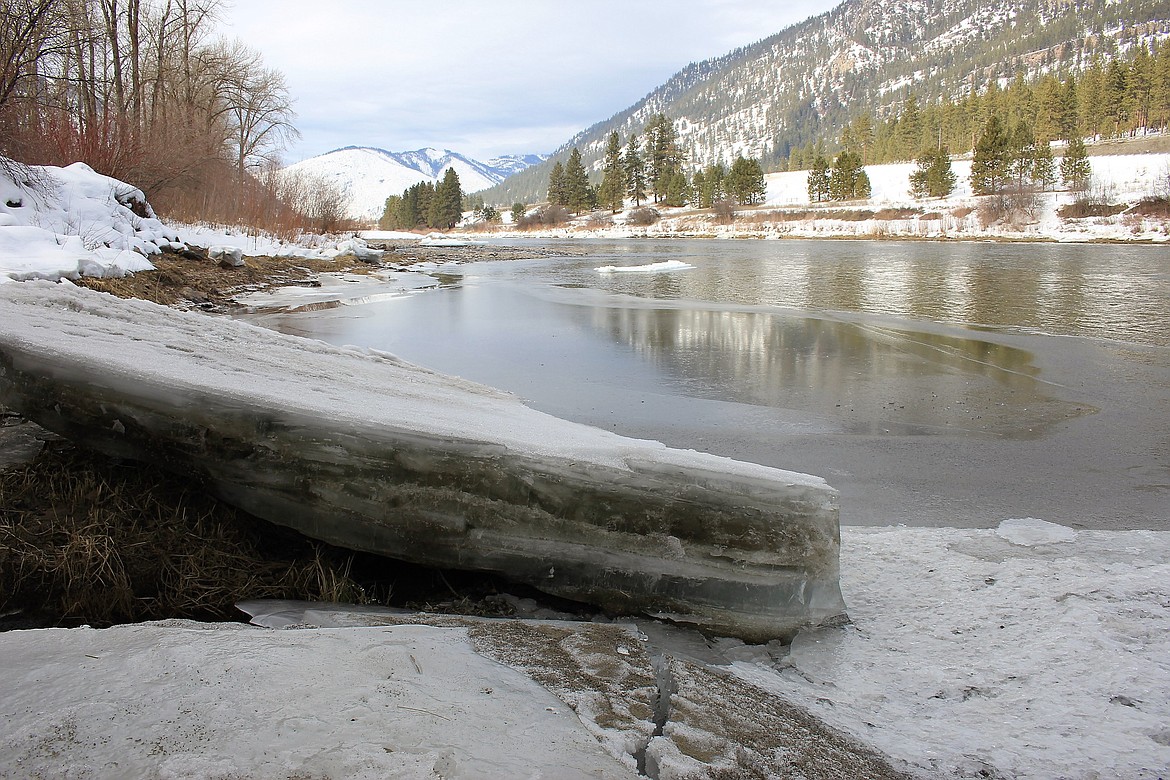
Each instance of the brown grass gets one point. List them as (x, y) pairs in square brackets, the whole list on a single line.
[(85, 539), (1082, 209), (196, 279), (1153, 206)]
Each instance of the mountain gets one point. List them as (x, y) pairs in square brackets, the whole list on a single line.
[(864, 55), (370, 175)]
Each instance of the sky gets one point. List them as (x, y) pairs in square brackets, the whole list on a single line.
[(484, 78)]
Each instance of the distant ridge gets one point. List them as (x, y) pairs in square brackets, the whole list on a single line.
[(370, 175), (807, 82)]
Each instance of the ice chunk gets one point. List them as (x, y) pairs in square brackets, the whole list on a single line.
[(1029, 532), (369, 452)]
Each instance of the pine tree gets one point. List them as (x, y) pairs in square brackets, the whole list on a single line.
[(714, 185), (745, 181), (635, 170), (1021, 154), (933, 178), (558, 193), (989, 166), (845, 180), (446, 208), (909, 130), (663, 156), (613, 181), (518, 211), (1044, 167), (697, 185), (818, 180), (1075, 170), (579, 196), (678, 191)]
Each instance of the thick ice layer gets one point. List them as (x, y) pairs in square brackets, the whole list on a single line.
[(365, 451)]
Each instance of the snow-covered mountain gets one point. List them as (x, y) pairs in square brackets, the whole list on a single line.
[(806, 82), (370, 175)]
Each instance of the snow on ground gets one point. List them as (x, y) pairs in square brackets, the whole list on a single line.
[(787, 212), (1027, 651), (1031, 651), (177, 699), (62, 223)]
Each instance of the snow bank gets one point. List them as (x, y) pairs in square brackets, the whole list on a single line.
[(969, 655), (67, 222), (63, 223), (1030, 651), (185, 700)]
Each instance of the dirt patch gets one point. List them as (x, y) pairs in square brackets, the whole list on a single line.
[(192, 279)]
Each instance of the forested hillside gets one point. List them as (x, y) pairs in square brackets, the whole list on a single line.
[(809, 81)]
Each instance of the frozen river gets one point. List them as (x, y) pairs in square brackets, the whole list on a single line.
[(932, 384)]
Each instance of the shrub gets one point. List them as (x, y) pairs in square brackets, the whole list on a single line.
[(643, 216), (724, 211)]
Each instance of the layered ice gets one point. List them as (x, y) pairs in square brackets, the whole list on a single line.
[(365, 451)]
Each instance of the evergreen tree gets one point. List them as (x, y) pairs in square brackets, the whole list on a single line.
[(714, 186), (909, 130), (818, 180), (446, 207), (1021, 154), (664, 158), (678, 191), (518, 210), (579, 196), (558, 192), (1044, 167), (1075, 170), (390, 214), (635, 170), (697, 185), (613, 181), (745, 181), (933, 178), (846, 180), (990, 164)]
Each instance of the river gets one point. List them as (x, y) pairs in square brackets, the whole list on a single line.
[(933, 384)]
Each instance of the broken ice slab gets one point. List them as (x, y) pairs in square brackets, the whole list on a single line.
[(364, 451)]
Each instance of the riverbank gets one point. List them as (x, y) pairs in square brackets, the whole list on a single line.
[(1127, 202)]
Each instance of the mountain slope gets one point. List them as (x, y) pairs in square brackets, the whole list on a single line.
[(371, 175), (864, 55)]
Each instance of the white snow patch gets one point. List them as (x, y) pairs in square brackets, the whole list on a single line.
[(652, 268), (1030, 532), (177, 699), (970, 653)]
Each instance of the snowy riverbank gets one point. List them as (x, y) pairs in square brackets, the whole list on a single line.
[(1119, 180), (1029, 651)]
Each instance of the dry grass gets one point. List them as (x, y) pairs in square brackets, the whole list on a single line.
[(84, 539), (1153, 206), (196, 279), (1082, 209)]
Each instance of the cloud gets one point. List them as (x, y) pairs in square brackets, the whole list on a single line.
[(484, 78)]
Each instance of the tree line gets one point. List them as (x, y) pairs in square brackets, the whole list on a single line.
[(652, 170), (425, 205), (1118, 97), (141, 90)]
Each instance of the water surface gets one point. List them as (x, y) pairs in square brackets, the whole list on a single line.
[(932, 383)]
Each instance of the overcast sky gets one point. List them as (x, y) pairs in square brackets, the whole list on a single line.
[(484, 77)]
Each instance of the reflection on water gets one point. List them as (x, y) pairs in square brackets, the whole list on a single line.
[(786, 325), (1113, 292), (878, 380)]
